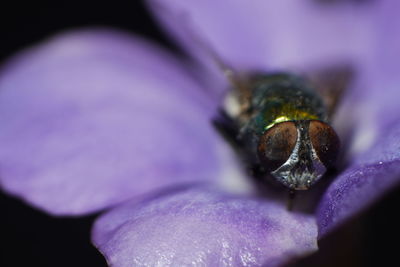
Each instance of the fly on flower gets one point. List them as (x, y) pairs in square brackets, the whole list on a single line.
[(280, 122)]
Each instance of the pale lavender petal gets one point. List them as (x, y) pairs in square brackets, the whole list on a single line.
[(92, 118), (203, 227), (375, 169), (263, 34)]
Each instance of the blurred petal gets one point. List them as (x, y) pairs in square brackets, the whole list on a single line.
[(263, 34), (383, 77), (92, 118), (376, 167), (203, 228), (353, 191)]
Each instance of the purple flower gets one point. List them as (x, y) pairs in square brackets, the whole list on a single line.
[(96, 119)]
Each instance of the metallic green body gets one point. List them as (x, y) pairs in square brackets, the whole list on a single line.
[(278, 98)]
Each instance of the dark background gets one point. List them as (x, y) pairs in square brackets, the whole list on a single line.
[(31, 238)]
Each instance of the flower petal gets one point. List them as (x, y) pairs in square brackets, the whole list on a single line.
[(206, 228), (353, 191), (269, 34), (92, 118), (375, 169)]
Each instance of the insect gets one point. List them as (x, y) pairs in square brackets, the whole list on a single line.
[(281, 124)]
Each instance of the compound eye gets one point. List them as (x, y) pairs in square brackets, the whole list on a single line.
[(325, 142), (276, 145)]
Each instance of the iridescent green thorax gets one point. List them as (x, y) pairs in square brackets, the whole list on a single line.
[(282, 97)]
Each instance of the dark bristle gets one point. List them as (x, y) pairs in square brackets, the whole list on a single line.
[(290, 200)]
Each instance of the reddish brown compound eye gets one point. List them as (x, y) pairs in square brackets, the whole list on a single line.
[(325, 142), (276, 145)]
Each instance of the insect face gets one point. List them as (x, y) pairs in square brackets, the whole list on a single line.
[(298, 153), (280, 126)]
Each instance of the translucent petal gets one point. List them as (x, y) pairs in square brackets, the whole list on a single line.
[(269, 34), (94, 117)]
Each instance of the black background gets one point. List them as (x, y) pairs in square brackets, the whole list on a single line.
[(31, 238)]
